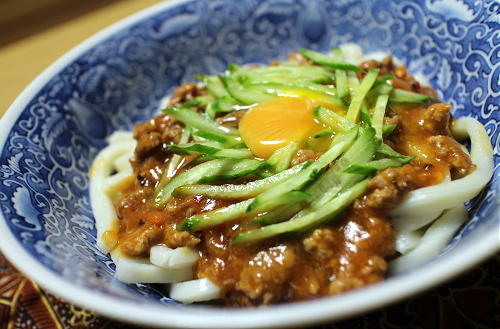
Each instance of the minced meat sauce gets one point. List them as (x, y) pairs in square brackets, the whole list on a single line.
[(346, 254)]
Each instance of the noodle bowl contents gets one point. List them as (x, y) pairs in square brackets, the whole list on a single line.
[(305, 178)]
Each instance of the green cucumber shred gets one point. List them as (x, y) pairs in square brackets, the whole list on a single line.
[(327, 60), (240, 191), (305, 222), (388, 129), (404, 96), (214, 170)]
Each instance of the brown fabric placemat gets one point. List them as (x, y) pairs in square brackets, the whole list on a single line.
[(470, 301)]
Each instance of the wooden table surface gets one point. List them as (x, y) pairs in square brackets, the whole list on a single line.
[(23, 59), (467, 302)]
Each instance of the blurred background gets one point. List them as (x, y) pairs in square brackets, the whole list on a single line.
[(34, 33)]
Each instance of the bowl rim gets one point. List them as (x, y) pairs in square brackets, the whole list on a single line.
[(294, 314)]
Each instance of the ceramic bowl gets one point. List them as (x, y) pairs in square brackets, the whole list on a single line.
[(51, 133)]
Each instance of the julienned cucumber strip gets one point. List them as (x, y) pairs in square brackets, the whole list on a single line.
[(280, 159), (196, 120), (337, 122), (299, 90), (222, 215), (279, 214), (246, 96), (242, 153), (303, 177), (405, 96), (189, 149), (220, 169), (378, 115), (231, 191), (340, 76), (352, 81), (328, 60), (210, 149), (386, 150), (197, 101), (256, 93), (388, 129), (335, 179), (299, 87), (231, 169), (306, 222), (360, 94), (283, 73), (289, 197), (323, 89), (176, 159), (381, 89), (374, 166), (341, 83), (215, 87), (365, 116), (215, 217), (226, 140), (222, 104)]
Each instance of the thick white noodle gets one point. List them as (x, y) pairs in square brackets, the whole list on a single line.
[(200, 290), (122, 163), (120, 136), (422, 206), (132, 270), (121, 144), (407, 240), (173, 258), (433, 241)]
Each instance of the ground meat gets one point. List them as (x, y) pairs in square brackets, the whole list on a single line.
[(372, 271), (146, 143), (150, 153), (165, 128), (319, 243), (388, 186), (274, 267), (449, 150), (436, 118), (141, 240), (365, 238), (173, 238), (186, 92), (386, 66)]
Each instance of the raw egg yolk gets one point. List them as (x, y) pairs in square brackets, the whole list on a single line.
[(274, 124)]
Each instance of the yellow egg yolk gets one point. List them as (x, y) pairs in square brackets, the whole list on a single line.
[(274, 124)]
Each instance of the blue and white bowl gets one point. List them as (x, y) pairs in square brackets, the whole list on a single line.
[(115, 79)]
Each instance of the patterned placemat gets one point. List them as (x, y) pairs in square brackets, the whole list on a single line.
[(470, 301)]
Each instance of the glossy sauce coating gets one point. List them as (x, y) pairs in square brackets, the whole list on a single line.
[(346, 254)]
